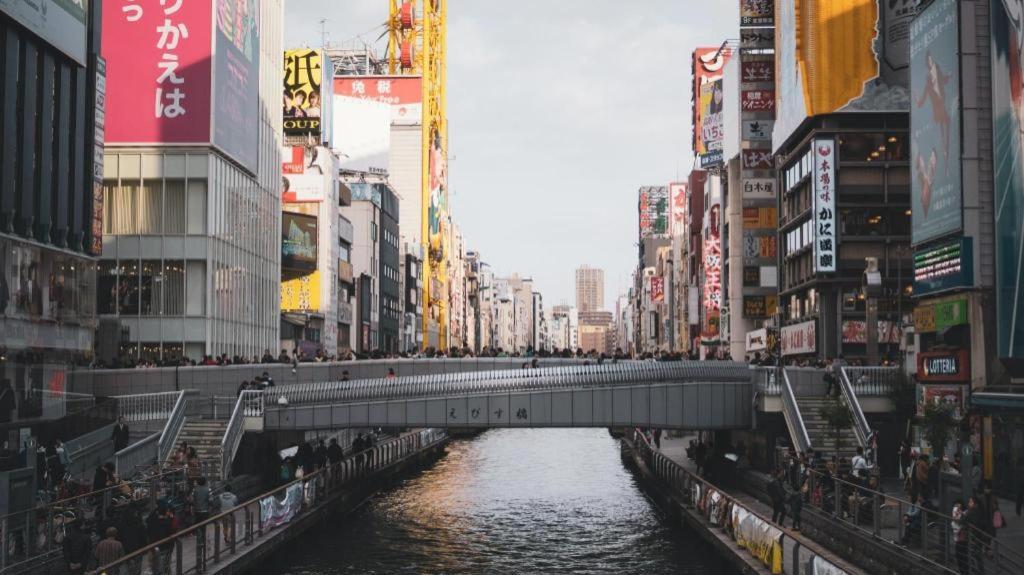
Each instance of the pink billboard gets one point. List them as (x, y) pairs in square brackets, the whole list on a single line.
[(158, 71)]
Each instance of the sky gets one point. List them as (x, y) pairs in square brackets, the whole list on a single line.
[(558, 111)]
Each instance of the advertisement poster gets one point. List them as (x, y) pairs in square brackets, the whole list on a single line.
[(677, 194), (825, 237), (362, 134), (1007, 139), (158, 76), (936, 198), (865, 71), (304, 98), (951, 395), (438, 206), (653, 211), (657, 289), (757, 12), (799, 338), (298, 241), (708, 64), (236, 76), (403, 93), (304, 174), (711, 106), (855, 331), (301, 294), (713, 263)]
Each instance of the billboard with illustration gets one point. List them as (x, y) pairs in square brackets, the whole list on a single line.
[(437, 209), (937, 203), (302, 293), (306, 98), (708, 65), (712, 103), (236, 78), (1008, 143), (840, 56)]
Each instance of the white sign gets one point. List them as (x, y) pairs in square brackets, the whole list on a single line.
[(758, 130), (757, 340), (799, 338), (758, 189), (362, 134), (825, 236)]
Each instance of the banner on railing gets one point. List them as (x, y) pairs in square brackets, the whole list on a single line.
[(759, 537), (821, 566), (275, 512)]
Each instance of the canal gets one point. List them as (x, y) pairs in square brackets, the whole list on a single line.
[(508, 501)]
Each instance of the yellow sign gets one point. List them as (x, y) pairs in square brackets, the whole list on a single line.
[(301, 294), (924, 319)]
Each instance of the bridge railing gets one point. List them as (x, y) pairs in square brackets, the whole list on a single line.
[(33, 538), (199, 547), (745, 525), (924, 532), (248, 404), (873, 381), (174, 425), (511, 381), (146, 406), (791, 413)]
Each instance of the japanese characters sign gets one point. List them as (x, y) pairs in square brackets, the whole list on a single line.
[(712, 100), (677, 195), (653, 210), (757, 130), (756, 39), (708, 64), (825, 236), (303, 100), (757, 71), (158, 71), (657, 289), (758, 101), (403, 93), (758, 189), (713, 264), (799, 338), (756, 160)]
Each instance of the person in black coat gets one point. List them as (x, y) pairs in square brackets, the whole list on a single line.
[(320, 454), (334, 452), (120, 436), (77, 548)]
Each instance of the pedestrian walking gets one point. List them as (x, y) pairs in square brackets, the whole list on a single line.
[(796, 505), (860, 466), (830, 379), (777, 492), (358, 447), (334, 452), (320, 454), (657, 438), (121, 435), (159, 527), (959, 528), (110, 549), (201, 501), (228, 501), (977, 539)]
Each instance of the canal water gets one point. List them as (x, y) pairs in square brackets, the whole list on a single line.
[(553, 501)]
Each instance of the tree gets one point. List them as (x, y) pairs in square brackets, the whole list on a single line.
[(838, 418), (939, 426)]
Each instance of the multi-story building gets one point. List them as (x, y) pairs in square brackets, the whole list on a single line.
[(570, 318), (539, 329), (192, 182), (375, 248), (412, 288), (589, 288), (346, 279), (50, 213)]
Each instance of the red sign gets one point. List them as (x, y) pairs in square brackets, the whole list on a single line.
[(158, 71), (757, 71), (952, 365), (657, 289), (677, 195), (708, 65), (293, 160), (713, 264), (404, 93), (758, 101)]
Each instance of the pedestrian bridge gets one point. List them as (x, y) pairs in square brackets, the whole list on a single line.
[(678, 395)]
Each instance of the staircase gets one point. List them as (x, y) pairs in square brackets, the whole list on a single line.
[(205, 435), (820, 434)]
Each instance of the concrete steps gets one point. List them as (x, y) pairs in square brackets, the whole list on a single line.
[(819, 431), (205, 436)]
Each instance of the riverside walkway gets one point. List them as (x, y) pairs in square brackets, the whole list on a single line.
[(262, 524)]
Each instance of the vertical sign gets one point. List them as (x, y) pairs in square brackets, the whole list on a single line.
[(825, 238), (677, 197), (657, 289), (96, 243)]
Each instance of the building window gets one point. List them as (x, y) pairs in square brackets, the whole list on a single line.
[(106, 287), (174, 207), (128, 287), (120, 208), (174, 287)]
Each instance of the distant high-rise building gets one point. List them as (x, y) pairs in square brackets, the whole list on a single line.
[(589, 289)]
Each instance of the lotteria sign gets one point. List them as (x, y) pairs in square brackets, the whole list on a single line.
[(951, 365)]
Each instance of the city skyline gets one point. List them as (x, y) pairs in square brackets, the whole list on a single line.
[(635, 123)]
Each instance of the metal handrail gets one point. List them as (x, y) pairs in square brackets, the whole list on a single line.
[(791, 413), (248, 404), (146, 406), (500, 381), (316, 487), (872, 381), (142, 452), (860, 421), (175, 422), (1004, 560), (766, 380)]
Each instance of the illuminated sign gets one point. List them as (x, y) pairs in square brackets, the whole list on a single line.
[(825, 238), (944, 366), (944, 267), (799, 338)]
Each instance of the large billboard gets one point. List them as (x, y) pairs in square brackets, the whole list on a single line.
[(362, 134), (437, 210), (403, 93), (708, 64), (306, 98), (712, 103), (304, 174), (677, 195), (236, 78), (937, 201), (298, 241), (158, 72), (1008, 168), (301, 294), (826, 240), (653, 207), (62, 23), (840, 56)]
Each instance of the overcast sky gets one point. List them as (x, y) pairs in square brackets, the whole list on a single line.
[(558, 111)]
